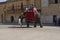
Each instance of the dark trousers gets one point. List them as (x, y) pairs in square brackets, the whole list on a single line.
[(27, 22), (35, 23), (39, 22)]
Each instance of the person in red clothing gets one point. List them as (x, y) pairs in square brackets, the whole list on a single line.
[(30, 12), (31, 16)]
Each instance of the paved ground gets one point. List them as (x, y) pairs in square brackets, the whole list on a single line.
[(12, 32)]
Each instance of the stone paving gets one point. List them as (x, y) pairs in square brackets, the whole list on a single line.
[(45, 33)]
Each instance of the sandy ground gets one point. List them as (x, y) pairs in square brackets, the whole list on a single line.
[(15, 33)]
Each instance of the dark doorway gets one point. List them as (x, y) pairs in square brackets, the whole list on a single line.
[(54, 19), (2, 18), (19, 16), (12, 19), (56, 1)]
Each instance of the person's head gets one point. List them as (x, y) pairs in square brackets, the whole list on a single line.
[(31, 7)]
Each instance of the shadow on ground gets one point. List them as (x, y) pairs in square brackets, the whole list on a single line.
[(20, 27)]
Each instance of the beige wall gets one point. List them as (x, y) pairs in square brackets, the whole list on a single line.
[(16, 13), (47, 19)]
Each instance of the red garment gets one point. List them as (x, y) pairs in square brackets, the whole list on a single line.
[(30, 14)]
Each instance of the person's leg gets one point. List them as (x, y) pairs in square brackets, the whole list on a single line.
[(35, 24), (27, 22), (20, 23), (41, 26), (22, 20)]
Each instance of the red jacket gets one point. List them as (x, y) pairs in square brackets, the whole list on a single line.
[(30, 14)]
